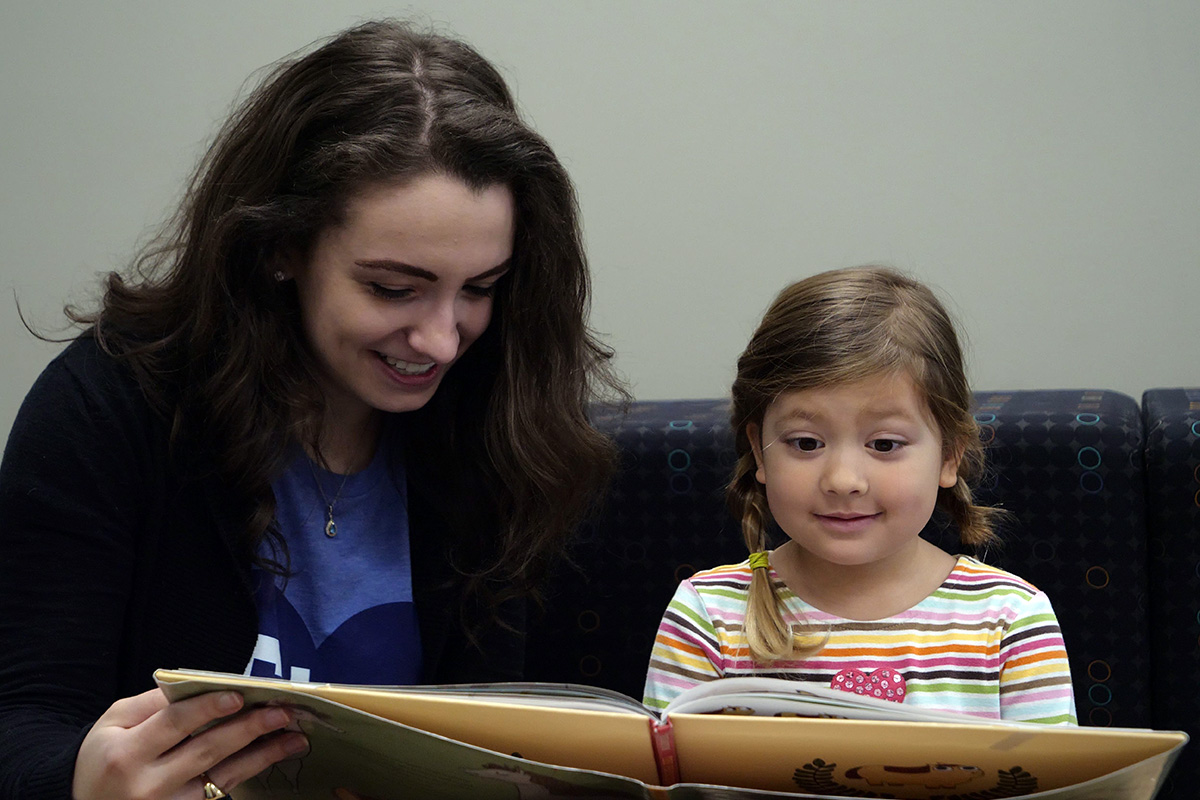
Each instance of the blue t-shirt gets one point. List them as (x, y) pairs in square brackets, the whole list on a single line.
[(346, 613)]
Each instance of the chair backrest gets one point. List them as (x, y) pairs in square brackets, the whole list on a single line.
[(664, 518), (1172, 423), (1067, 464)]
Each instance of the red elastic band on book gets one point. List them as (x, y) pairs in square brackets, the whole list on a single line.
[(662, 736)]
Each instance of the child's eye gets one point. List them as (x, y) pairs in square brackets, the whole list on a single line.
[(806, 444), (387, 292), (885, 445)]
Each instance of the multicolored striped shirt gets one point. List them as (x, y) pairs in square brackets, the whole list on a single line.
[(985, 643)]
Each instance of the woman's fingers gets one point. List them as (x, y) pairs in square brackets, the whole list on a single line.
[(131, 711), (119, 750), (179, 720), (143, 747), (209, 750), (253, 759)]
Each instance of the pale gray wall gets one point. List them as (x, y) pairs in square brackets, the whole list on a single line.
[(1038, 161)]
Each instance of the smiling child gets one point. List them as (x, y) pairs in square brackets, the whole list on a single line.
[(852, 415)]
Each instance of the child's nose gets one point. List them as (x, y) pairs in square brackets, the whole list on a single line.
[(843, 473)]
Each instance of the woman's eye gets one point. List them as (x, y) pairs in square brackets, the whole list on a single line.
[(885, 445), (806, 444), (388, 293), (480, 291)]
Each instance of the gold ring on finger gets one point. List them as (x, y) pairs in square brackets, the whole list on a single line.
[(211, 790)]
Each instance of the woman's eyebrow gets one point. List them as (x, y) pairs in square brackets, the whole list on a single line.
[(392, 265), (500, 268), (397, 266)]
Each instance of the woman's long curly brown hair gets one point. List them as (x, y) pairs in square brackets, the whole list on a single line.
[(504, 449), (839, 327)]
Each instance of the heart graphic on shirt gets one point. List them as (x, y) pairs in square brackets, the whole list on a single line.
[(355, 649), (884, 683)]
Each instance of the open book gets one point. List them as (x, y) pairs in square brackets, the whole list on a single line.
[(734, 738)]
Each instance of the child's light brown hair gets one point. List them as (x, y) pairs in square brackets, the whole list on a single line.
[(834, 328)]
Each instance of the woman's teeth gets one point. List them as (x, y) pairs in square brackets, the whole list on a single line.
[(408, 367)]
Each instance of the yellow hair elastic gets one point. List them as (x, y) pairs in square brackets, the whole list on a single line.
[(759, 560)]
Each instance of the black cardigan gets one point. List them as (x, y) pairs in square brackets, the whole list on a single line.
[(118, 556)]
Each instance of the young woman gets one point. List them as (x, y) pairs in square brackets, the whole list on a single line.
[(331, 427)]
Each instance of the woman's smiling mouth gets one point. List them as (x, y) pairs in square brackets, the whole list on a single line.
[(407, 367)]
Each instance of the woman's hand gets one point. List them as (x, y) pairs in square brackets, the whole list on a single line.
[(143, 747)]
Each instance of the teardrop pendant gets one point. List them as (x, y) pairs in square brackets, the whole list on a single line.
[(330, 525)]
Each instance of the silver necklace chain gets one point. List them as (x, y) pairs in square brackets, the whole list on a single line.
[(330, 525)]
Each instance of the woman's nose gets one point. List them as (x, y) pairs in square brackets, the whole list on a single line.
[(435, 334)]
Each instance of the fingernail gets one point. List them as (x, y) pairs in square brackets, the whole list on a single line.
[(297, 745), (277, 717), (229, 702)]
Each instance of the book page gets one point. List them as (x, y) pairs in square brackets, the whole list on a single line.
[(772, 697), (614, 742), (550, 695), (375, 759)]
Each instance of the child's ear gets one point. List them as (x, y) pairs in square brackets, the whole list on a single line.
[(754, 434), (948, 477)]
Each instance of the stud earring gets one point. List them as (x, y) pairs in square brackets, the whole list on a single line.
[(279, 276)]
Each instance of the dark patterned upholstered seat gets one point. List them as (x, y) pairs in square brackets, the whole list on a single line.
[(1068, 465), (664, 518), (1172, 424)]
